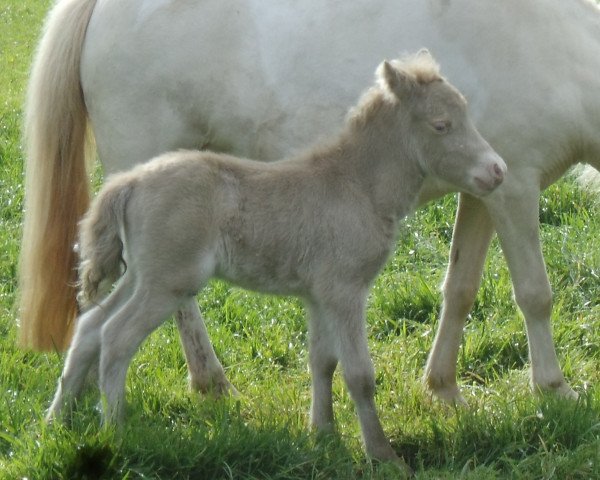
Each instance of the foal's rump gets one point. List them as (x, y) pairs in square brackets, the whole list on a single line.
[(101, 241), (164, 205)]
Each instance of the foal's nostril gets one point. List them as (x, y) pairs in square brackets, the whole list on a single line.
[(498, 172)]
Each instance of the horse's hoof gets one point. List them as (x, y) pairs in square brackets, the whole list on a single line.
[(449, 395)]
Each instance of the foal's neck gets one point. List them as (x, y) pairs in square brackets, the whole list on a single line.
[(378, 158)]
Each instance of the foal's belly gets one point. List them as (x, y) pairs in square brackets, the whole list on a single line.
[(262, 275)]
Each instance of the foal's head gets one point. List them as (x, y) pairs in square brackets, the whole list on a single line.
[(436, 129)]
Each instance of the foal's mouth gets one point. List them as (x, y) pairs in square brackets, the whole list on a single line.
[(487, 186)]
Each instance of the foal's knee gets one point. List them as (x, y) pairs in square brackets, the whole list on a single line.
[(322, 365), (361, 384)]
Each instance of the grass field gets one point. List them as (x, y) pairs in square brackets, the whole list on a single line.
[(171, 433)]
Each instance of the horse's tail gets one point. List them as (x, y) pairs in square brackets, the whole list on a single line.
[(57, 182), (101, 240)]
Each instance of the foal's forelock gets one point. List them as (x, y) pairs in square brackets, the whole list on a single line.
[(419, 69)]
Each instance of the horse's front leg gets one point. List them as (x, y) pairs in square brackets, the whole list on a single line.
[(205, 371), (515, 212), (473, 231)]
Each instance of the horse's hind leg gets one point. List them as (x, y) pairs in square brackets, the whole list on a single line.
[(84, 350), (473, 231), (205, 370)]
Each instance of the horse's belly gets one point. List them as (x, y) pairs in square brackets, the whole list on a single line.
[(249, 78), (264, 79)]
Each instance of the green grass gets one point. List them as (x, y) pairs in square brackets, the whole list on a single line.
[(172, 433)]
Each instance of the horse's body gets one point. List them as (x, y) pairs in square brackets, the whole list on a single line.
[(253, 78), (319, 226)]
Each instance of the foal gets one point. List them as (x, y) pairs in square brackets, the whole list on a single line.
[(319, 226)]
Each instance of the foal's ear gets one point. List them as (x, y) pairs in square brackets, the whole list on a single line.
[(394, 80), (424, 53)]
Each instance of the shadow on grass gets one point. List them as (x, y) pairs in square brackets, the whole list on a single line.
[(505, 438), (218, 442)]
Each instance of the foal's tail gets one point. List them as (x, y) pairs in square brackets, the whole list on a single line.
[(101, 240), (56, 185)]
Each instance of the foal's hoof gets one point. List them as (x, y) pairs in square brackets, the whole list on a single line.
[(228, 390), (58, 412), (385, 453), (50, 417), (404, 467), (560, 389), (400, 468), (443, 388), (217, 388)]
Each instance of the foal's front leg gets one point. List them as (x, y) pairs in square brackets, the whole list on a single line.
[(205, 370), (346, 318), (323, 354)]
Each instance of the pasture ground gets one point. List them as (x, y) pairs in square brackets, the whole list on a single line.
[(171, 433)]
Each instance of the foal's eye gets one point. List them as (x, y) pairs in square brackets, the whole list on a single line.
[(441, 126)]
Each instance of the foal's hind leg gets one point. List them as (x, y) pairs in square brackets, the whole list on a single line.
[(121, 338), (84, 350), (205, 370)]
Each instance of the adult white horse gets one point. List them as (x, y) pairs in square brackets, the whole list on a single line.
[(248, 77)]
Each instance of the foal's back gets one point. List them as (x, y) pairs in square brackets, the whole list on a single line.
[(275, 226)]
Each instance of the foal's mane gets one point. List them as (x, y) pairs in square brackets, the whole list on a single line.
[(418, 69)]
